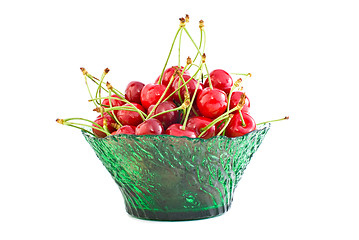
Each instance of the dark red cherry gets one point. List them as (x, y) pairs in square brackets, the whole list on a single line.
[(220, 79), (127, 117), (236, 96), (168, 118), (176, 130), (150, 127), (191, 86), (197, 123), (168, 73), (151, 93), (133, 92), (235, 127), (127, 129), (99, 120), (212, 102)]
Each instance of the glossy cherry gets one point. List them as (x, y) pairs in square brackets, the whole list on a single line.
[(235, 127), (191, 86), (127, 129), (168, 73), (212, 102), (151, 93), (168, 118), (99, 120), (176, 130), (220, 79), (127, 117), (133, 91), (197, 123), (236, 96), (151, 126)]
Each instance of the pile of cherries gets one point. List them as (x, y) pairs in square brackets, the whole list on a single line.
[(199, 105)]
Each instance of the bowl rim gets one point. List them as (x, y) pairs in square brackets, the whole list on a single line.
[(132, 136)]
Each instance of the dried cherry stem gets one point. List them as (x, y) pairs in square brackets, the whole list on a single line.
[(285, 118), (169, 55), (190, 107), (228, 120), (78, 125)]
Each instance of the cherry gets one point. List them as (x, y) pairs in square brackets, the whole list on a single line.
[(99, 121), (176, 130), (212, 102), (236, 96), (115, 102), (220, 79), (133, 91), (151, 93), (197, 123), (236, 128), (151, 126), (168, 73), (191, 86), (127, 129), (167, 118), (127, 117)]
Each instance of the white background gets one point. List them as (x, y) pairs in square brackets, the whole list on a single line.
[(301, 184)]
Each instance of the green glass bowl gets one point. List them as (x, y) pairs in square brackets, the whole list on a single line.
[(164, 177)]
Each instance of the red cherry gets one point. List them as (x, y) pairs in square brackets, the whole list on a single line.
[(127, 129), (115, 102), (127, 117), (176, 130), (220, 79), (168, 118), (133, 92), (235, 127), (212, 102), (151, 93), (191, 86), (197, 123), (150, 127), (168, 73), (99, 120), (236, 96)]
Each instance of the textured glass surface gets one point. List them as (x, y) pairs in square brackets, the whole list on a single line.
[(164, 177)]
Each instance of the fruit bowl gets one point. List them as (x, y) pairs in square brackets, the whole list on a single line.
[(170, 178)]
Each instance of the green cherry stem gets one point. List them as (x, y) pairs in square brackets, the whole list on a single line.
[(78, 125), (113, 115), (235, 85), (98, 91), (276, 120), (228, 120), (190, 107), (179, 48), (182, 107), (218, 119)]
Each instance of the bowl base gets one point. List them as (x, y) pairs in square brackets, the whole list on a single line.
[(177, 216)]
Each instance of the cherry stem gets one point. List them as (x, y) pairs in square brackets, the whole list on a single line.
[(164, 68), (112, 112), (242, 119), (205, 129), (88, 88), (190, 107), (179, 48), (76, 125), (200, 44), (228, 120), (182, 107), (128, 108), (276, 120), (98, 91), (235, 85)]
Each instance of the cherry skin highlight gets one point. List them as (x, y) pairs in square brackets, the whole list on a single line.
[(197, 123), (151, 93), (127, 117), (220, 79), (126, 129), (236, 96), (212, 102), (176, 130), (235, 127), (150, 127), (133, 92)]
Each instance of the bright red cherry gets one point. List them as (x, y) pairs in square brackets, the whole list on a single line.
[(126, 129), (151, 93), (212, 102), (151, 126), (235, 127), (236, 96), (133, 91), (176, 130), (220, 79), (197, 123), (99, 120), (191, 86), (168, 118), (127, 117), (168, 73)]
